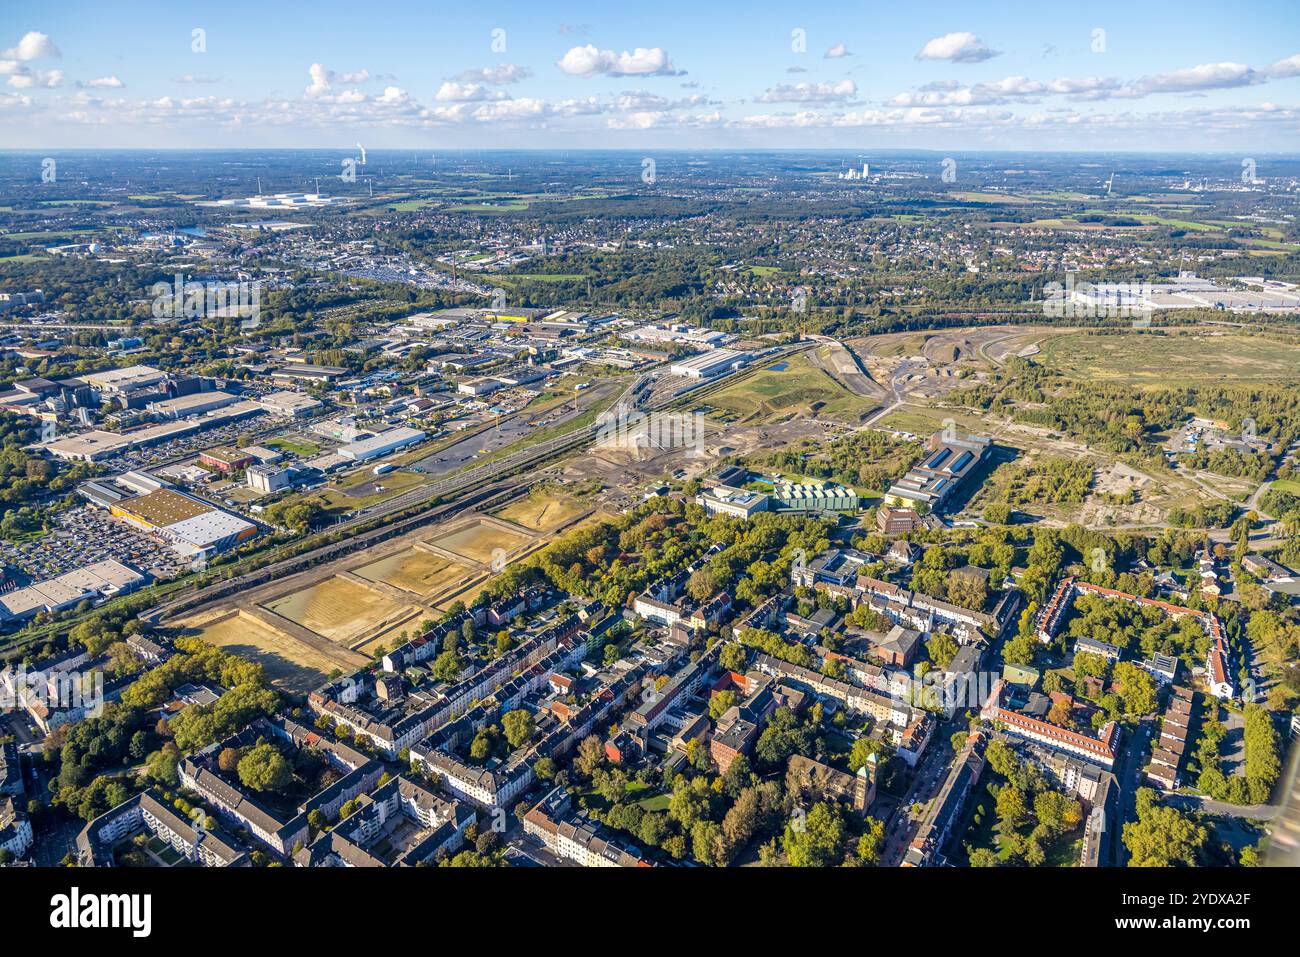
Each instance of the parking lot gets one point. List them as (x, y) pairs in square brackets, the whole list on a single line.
[(164, 452), (87, 535)]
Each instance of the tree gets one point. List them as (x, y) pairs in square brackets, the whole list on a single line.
[(1061, 714), (871, 841), (968, 590), (1263, 762), (139, 746), (484, 743), (1021, 650), (982, 857), (702, 585), (264, 768), (591, 755), (228, 760), (1057, 812), (1011, 805), (161, 766), (733, 656), (1088, 663), (720, 702), (689, 802), (447, 666), (519, 727), (862, 751), (997, 513), (1136, 686), (943, 648), (707, 844), (1161, 836), (834, 668), (817, 841)]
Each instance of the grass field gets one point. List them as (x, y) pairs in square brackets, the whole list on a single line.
[(289, 663), (541, 511), (337, 609), (480, 542), (507, 278), (990, 198), (1173, 359), (299, 447), (918, 423), (413, 570), (801, 388), (52, 234)]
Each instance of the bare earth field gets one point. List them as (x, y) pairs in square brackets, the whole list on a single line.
[(542, 511), (337, 609), (291, 664), (481, 541), (413, 570)]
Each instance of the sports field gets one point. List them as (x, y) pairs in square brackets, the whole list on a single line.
[(337, 609)]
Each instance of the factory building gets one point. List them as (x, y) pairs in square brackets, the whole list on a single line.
[(382, 444), (706, 365)]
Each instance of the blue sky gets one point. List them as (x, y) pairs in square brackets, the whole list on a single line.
[(1044, 75)]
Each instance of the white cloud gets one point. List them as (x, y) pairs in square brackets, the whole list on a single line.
[(637, 101), (320, 79), (1086, 87), (836, 52), (33, 46), (451, 92), (394, 96), (192, 78), (1283, 68), (522, 108), (105, 83), (957, 47), (656, 120), (15, 101), (40, 78), (323, 78), (496, 75), (981, 94), (1207, 76), (810, 92), (588, 61)]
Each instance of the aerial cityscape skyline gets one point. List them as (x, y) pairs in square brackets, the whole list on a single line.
[(655, 448)]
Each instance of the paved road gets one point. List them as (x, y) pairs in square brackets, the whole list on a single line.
[(1199, 802), (930, 774), (1129, 776)]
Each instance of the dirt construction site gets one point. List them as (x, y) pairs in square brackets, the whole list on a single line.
[(337, 617)]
